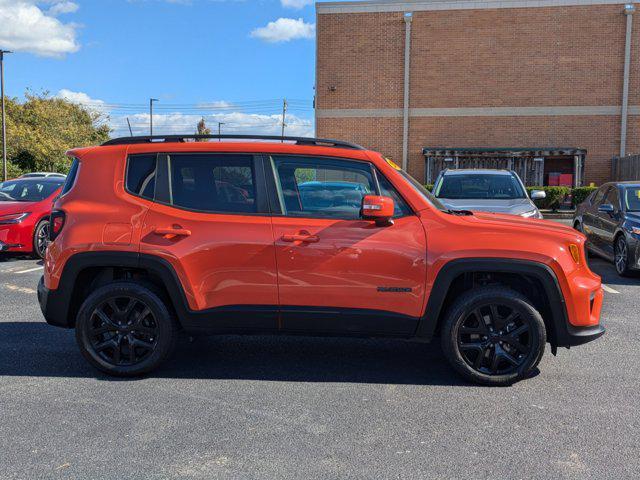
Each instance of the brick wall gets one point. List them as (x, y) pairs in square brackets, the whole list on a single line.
[(521, 57)]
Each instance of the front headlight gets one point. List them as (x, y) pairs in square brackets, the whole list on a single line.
[(530, 214), (13, 218)]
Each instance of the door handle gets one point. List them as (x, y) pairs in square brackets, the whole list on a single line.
[(301, 237), (178, 232)]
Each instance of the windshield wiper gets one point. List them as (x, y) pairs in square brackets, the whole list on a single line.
[(463, 213)]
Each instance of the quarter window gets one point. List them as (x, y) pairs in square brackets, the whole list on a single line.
[(216, 183), (325, 188), (141, 175)]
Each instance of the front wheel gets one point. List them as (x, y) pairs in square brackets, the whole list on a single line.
[(493, 336), (125, 329)]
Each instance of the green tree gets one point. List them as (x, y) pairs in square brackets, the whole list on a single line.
[(202, 129), (42, 128)]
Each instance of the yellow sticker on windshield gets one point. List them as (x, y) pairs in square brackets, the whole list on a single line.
[(393, 164), (638, 193)]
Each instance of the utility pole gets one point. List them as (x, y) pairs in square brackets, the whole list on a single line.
[(284, 117), (129, 123), (151, 100), (4, 124), (220, 130)]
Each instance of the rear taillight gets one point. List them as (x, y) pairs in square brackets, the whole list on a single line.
[(56, 224)]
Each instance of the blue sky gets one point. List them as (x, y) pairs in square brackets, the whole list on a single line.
[(227, 60)]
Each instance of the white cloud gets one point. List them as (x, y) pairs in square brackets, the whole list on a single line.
[(217, 104), (24, 27), (284, 30), (297, 4), (81, 98), (59, 8)]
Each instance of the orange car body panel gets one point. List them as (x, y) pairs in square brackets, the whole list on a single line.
[(243, 259)]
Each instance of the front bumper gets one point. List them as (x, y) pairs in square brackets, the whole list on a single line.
[(574, 336)]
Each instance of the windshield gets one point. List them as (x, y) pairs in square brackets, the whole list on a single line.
[(632, 199), (27, 190), (418, 187), (479, 186)]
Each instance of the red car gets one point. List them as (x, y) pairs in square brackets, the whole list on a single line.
[(25, 206)]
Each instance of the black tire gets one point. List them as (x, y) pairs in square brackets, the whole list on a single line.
[(621, 257), (122, 338), (479, 328), (40, 239)]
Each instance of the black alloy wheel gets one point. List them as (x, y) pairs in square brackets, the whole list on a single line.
[(123, 331), (126, 328), (494, 339), (41, 239), (493, 335)]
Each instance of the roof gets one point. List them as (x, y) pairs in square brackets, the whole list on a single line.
[(477, 171), (502, 151)]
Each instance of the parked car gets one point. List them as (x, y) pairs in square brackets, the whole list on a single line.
[(610, 218), (43, 175), (145, 244), (25, 205), (499, 191)]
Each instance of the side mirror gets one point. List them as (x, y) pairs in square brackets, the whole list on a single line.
[(606, 208), (378, 208), (538, 194)]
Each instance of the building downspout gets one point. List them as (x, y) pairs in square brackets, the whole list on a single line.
[(629, 9), (408, 17)]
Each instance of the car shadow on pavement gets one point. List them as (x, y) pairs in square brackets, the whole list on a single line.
[(34, 349), (607, 271)]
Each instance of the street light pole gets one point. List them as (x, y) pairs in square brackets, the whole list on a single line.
[(220, 130), (151, 100), (4, 124)]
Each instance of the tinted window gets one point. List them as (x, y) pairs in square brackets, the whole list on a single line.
[(213, 183), (479, 186), (613, 198), (141, 175), (315, 187), (597, 200), (632, 199), (28, 190), (386, 189), (71, 178)]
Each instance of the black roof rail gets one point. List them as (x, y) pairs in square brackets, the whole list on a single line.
[(320, 142)]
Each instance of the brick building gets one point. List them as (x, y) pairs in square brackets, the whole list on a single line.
[(536, 85)]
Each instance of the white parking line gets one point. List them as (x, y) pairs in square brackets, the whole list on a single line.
[(16, 288), (30, 270), (607, 288)]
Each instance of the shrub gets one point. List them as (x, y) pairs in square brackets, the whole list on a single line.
[(429, 187), (580, 194), (555, 196)]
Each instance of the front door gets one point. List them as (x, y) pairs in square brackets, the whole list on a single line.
[(336, 271), (609, 221), (211, 222)]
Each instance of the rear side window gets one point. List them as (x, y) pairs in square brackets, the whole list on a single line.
[(215, 183), (71, 177), (141, 175)]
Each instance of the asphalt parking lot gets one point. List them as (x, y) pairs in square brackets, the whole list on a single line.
[(313, 408)]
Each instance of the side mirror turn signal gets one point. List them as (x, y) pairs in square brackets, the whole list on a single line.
[(378, 208)]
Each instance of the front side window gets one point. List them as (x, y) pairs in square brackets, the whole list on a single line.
[(632, 199), (311, 187), (597, 200), (613, 198), (479, 186), (216, 183)]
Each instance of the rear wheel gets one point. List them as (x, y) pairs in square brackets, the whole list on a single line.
[(493, 336), (621, 256), (41, 239), (125, 329)]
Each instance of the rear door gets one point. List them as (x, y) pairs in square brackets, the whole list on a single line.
[(210, 221), (590, 219), (609, 221), (336, 271)]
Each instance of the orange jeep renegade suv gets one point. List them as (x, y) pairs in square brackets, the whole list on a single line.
[(156, 235)]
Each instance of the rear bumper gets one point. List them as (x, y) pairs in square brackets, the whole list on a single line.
[(53, 306)]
